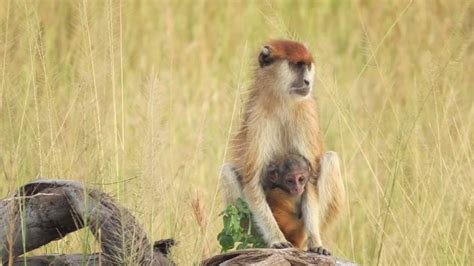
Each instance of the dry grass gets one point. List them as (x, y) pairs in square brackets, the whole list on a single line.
[(138, 97)]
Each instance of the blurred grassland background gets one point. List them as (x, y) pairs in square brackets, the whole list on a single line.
[(138, 98)]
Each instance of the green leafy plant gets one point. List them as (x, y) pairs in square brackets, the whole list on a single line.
[(237, 230)]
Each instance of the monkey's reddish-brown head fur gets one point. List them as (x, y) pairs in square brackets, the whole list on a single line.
[(292, 51)]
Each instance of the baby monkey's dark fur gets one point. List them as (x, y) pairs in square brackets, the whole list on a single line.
[(284, 184)]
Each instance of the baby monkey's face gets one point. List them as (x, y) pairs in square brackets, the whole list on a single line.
[(290, 173)]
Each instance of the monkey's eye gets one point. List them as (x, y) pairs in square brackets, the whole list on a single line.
[(301, 179), (300, 64)]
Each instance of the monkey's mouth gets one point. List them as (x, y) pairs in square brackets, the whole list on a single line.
[(303, 91), (297, 191)]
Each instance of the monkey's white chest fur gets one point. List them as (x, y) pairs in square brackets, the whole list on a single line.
[(278, 135)]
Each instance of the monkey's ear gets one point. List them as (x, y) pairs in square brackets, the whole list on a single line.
[(265, 57), (272, 171)]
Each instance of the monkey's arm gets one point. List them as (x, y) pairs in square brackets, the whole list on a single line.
[(323, 204), (230, 184), (254, 195), (331, 190), (311, 209)]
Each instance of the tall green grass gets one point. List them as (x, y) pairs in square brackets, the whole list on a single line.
[(138, 98)]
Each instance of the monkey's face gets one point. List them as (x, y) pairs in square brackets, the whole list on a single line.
[(288, 65), (290, 174), (301, 78), (294, 182)]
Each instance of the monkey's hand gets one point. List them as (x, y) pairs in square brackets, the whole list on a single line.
[(280, 245), (320, 251)]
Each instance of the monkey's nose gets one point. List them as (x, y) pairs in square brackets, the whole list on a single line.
[(306, 82)]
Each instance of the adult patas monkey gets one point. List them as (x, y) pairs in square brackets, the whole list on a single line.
[(281, 117)]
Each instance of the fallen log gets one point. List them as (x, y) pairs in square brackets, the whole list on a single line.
[(46, 210), (94, 259), (58, 259), (271, 257), (263, 257)]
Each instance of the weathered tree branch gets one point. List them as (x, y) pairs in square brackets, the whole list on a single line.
[(69, 259), (270, 257), (47, 210)]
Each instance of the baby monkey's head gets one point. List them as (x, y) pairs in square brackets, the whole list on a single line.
[(290, 173)]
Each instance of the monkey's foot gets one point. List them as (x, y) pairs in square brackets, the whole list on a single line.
[(320, 251), (280, 245)]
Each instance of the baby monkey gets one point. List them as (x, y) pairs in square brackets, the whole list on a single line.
[(284, 185)]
